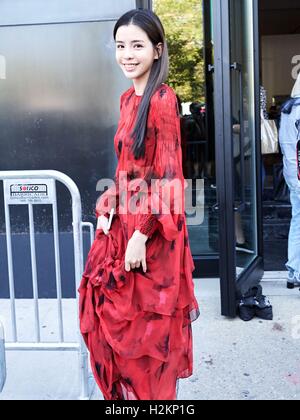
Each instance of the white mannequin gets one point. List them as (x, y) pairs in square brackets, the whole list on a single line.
[(296, 89)]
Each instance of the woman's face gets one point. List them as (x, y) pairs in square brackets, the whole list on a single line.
[(135, 53)]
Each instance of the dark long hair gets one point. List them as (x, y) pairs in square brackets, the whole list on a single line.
[(150, 23)]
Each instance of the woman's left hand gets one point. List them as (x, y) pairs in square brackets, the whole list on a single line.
[(136, 252)]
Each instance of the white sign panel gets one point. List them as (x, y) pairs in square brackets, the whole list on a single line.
[(34, 191)]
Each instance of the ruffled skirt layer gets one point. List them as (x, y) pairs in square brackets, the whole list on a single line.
[(136, 325)]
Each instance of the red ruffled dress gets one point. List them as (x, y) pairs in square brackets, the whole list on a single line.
[(136, 325)]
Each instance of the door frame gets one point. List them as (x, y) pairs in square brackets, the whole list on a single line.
[(144, 4), (230, 288)]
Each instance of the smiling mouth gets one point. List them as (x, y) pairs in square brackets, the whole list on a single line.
[(130, 66)]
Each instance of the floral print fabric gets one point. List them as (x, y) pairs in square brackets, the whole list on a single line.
[(136, 325)]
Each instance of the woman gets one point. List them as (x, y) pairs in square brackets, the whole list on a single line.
[(137, 294), (289, 137)]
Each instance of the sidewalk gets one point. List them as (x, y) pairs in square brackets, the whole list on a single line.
[(233, 360), (259, 360)]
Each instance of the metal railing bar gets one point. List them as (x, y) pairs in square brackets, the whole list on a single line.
[(42, 346), (11, 274), (3, 372), (58, 270), (92, 230), (34, 274)]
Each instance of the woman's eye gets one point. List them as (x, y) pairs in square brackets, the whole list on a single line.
[(139, 45)]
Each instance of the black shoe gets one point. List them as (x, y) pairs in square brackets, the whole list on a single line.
[(246, 312), (253, 303), (246, 306), (264, 309), (293, 285), (292, 282)]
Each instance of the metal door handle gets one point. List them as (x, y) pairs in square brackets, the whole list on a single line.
[(211, 68), (239, 68)]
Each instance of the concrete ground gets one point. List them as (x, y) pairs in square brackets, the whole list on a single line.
[(233, 360)]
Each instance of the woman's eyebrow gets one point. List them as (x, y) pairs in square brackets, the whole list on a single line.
[(136, 40)]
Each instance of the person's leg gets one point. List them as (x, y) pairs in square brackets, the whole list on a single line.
[(293, 264)]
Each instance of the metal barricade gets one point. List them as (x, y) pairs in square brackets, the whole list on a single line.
[(44, 185), (2, 359)]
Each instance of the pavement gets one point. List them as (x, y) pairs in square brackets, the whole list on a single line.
[(233, 360)]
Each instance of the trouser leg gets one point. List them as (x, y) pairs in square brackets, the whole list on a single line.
[(293, 264)]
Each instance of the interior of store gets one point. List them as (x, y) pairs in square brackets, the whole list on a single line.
[(279, 39), (280, 64)]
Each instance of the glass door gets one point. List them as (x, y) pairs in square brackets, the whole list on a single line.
[(188, 27), (238, 159)]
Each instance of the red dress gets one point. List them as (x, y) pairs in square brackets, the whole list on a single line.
[(136, 325)]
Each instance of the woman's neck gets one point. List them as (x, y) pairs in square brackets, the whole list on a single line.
[(140, 84)]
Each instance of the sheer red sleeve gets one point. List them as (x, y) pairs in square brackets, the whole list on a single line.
[(165, 205), (147, 225)]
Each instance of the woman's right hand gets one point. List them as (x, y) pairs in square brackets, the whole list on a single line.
[(103, 224)]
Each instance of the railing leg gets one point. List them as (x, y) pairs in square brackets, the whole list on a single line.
[(85, 392), (2, 359)]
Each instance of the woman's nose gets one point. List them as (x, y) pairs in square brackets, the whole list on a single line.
[(128, 53)]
